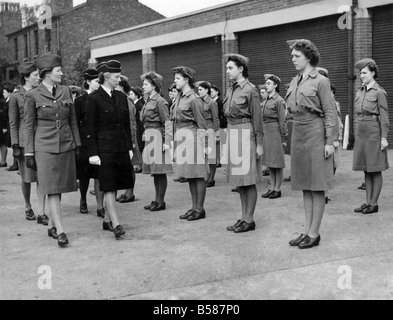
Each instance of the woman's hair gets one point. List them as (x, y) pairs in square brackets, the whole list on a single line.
[(333, 88), (125, 85), (86, 86), (372, 66), (239, 63), (25, 75), (137, 91), (308, 49), (9, 87), (206, 85), (276, 81), (173, 86), (186, 73), (154, 79), (217, 89), (43, 72)]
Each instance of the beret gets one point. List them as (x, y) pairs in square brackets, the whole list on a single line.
[(26, 68), (200, 82), (154, 78), (188, 72), (273, 77), (235, 56), (323, 71), (364, 62), (293, 43), (48, 61), (111, 66), (90, 74)]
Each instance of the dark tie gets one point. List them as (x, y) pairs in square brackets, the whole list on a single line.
[(113, 96), (300, 79), (54, 91)]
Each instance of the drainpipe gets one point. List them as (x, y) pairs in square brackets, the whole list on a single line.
[(351, 75)]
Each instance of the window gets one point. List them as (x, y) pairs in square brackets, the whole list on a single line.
[(36, 43), (48, 40), (26, 41), (16, 49)]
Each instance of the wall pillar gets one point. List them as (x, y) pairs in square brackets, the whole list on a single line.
[(148, 60), (230, 44)]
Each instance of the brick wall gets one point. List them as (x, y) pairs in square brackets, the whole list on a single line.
[(238, 10)]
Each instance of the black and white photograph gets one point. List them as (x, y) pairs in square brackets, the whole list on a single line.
[(196, 156)]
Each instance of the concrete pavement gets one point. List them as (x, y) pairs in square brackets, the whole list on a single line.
[(162, 257)]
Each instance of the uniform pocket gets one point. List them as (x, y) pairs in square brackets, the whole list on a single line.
[(44, 110), (308, 98), (370, 104)]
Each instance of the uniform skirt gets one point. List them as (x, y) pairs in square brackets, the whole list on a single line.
[(56, 172), (212, 144), (84, 170), (273, 149), (189, 153), (155, 160), (27, 175), (310, 171), (368, 156), (115, 171), (289, 138), (137, 158), (243, 167)]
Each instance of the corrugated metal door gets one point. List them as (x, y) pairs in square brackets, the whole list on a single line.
[(383, 53), (204, 56), (269, 53)]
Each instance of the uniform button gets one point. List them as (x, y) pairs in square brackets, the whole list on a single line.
[(54, 101)]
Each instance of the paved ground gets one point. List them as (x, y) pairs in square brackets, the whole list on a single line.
[(162, 257)]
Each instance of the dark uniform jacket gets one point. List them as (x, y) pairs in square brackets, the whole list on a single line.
[(50, 122), (80, 111), (108, 123), (16, 114)]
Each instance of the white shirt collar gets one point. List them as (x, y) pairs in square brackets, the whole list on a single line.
[(370, 85), (48, 86), (107, 90)]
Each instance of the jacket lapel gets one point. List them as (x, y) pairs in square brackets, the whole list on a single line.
[(106, 97), (44, 91)]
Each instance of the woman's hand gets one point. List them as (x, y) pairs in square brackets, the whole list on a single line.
[(384, 144), (95, 161), (329, 150), (259, 151)]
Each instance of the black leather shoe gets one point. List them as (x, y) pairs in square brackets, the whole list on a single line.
[(235, 190), (245, 227), (371, 209), (119, 231), (177, 179), (127, 199), (158, 207), (151, 205), (210, 184), (4, 165), (267, 194), (237, 224), (184, 180), (12, 168), (107, 226), (83, 208), (30, 215), (362, 187), (362, 207), (197, 216), (266, 173), (52, 233), (101, 213), (309, 242), (187, 214), (275, 195), (62, 240), (297, 241), (44, 220)]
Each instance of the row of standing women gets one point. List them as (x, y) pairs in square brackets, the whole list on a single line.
[(108, 146)]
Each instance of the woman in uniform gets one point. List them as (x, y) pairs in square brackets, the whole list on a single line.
[(51, 138), (109, 140), (136, 95), (158, 137), (4, 124), (86, 171), (190, 125), (370, 154), (245, 131), (274, 134), (315, 127), (29, 79), (213, 129)]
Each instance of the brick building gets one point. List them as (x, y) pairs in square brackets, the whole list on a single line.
[(259, 30), (10, 20), (71, 28)]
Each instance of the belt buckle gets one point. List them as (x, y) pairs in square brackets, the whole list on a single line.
[(58, 124)]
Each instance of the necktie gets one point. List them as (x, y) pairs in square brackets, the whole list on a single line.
[(113, 96), (300, 79), (54, 91)]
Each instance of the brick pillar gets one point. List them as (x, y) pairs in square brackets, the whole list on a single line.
[(230, 44), (363, 39), (149, 60), (92, 62)]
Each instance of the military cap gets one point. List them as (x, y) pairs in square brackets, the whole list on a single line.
[(303, 42), (244, 61), (185, 71), (48, 61), (111, 66), (90, 74), (26, 68), (200, 82), (364, 62), (273, 77)]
